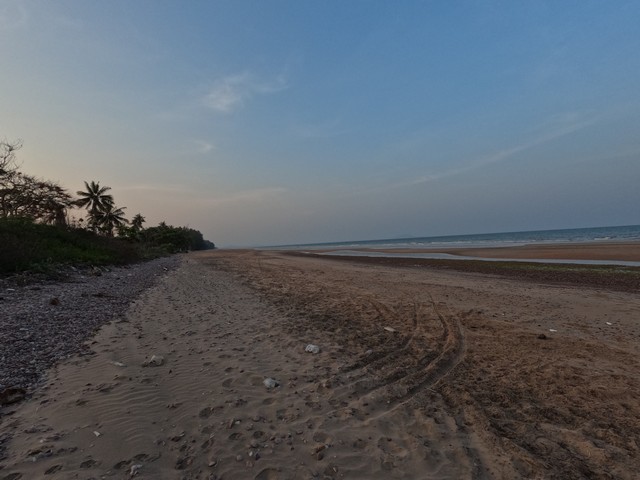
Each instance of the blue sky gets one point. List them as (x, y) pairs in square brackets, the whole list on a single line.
[(273, 122)]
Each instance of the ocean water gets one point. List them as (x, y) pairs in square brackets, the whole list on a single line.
[(597, 234)]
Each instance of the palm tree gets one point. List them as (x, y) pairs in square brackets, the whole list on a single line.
[(109, 218), (94, 199), (137, 221)]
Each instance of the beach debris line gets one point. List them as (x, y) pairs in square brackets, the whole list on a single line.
[(311, 348)]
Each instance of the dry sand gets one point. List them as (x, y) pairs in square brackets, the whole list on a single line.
[(422, 374)]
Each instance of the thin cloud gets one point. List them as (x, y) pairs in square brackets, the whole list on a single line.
[(203, 146), (257, 195), (232, 92), (145, 187), (195, 195), (555, 127), (558, 126)]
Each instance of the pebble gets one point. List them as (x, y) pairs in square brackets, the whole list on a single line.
[(311, 348), (134, 470), (154, 361), (270, 383)]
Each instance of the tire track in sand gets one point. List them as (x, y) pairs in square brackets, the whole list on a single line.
[(401, 384)]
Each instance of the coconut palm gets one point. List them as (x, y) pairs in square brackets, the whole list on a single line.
[(110, 217), (95, 199), (137, 221)]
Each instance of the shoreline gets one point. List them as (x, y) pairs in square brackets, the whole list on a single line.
[(596, 253), (623, 251), (607, 277)]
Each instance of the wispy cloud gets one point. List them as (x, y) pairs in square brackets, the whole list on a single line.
[(196, 195), (203, 146), (232, 92), (158, 188), (257, 195), (554, 128)]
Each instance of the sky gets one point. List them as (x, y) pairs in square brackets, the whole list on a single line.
[(273, 122)]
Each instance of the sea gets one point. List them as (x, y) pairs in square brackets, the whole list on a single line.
[(502, 239)]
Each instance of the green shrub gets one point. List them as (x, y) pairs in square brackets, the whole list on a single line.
[(25, 245)]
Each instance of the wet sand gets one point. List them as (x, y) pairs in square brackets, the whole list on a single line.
[(422, 373), (624, 251)]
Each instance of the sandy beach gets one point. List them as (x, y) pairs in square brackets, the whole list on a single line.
[(422, 373)]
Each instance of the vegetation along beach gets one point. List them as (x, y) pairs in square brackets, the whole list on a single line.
[(427, 240)]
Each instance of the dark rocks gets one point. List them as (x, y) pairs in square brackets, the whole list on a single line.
[(34, 335), (11, 395)]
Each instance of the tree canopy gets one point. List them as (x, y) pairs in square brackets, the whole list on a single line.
[(24, 197)]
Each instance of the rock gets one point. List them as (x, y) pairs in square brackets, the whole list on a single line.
[(54, 301), (154, 361), (311, 348), (318, 448), (270, 383), (12, 395), (542, 336), (134, 470)]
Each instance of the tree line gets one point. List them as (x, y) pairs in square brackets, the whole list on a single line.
[(27, 197)]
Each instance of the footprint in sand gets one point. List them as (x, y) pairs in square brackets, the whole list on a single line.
[(267, 474), (54, 469), (88, 463)]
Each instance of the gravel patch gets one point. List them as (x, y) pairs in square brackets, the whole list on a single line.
[(41, 324)]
